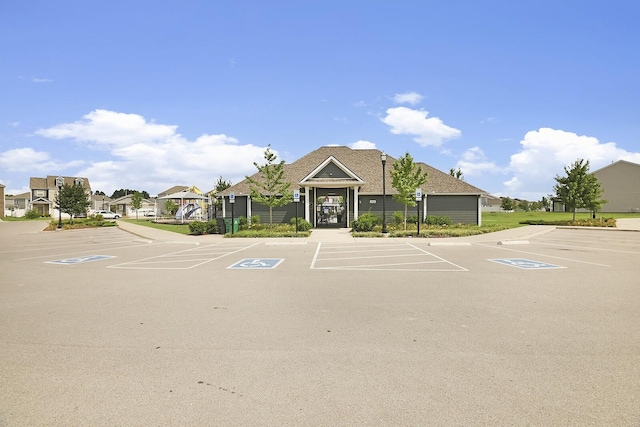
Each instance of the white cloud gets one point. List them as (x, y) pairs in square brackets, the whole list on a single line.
[(426, 131), (153, 157), (475, 162), (39, 80), (17, 159), (544, 154), (363, 145), (412, 98)]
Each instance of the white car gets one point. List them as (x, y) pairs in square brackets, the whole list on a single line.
[(107, 214), (150, 213)]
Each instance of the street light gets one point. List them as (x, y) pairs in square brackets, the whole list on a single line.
[(59, 184), (383, 158)]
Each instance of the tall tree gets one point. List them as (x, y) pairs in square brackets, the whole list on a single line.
[(579, 188), (407, 177), (269, 186), (136, 202), (72, 200), (222, 185), (456, 173)]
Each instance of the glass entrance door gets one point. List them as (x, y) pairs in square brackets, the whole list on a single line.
[(331, 211)]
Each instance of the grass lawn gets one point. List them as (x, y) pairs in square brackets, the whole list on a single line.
[(176, 228), (513, 219)]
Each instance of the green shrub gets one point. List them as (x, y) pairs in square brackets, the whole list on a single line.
[(398, 217), (211, 227), (365, 222), (303, 224), (243, 223), (197, 228), (412, 219), (32, 214), (255, 220), (438, 220)]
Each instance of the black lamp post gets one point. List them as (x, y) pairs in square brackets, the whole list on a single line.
[(383, 158), (59, 184)]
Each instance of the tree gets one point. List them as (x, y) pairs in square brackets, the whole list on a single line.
[(170, 206), (456, 173), (508, 204), (524, 205), (269, 186), (72, 200), (124, 192), (407, 177), (136, 202), (579, 188), (222, 185)]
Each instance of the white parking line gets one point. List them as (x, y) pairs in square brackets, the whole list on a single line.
[(192, 257), (394, 252)]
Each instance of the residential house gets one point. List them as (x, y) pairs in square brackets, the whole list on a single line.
[(337, 184), (620, 182), (122, 206), (44, 192)]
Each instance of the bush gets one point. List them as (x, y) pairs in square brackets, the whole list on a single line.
[(303, 224), (211, 227), (438, 220), (398, 217), (412, 219), (197, 228), (365, 222), (32, 214), (255, 220)]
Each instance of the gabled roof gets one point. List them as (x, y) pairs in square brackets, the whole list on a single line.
[(173, 189), (365, 168), (618, 163), (36, 183)]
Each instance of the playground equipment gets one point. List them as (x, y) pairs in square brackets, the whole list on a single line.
[(186, 210)]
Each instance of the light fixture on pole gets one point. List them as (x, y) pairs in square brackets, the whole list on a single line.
[(59, 184), (383, 158)]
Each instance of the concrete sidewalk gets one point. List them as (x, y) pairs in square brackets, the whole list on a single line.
[(343, 235)]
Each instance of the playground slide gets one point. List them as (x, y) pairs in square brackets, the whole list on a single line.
[(192, 211), (183, 210)]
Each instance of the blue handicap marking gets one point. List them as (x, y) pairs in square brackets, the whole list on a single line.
[(78, 260), (525, 263), (257, 263)]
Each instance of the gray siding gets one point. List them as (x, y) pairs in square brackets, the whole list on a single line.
[(461, 209), (281, 215), (331, 171)]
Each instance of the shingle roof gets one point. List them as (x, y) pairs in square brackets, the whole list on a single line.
[(36, 183), (367, 166)]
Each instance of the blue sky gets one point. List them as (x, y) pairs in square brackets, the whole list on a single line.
[(150, 94)]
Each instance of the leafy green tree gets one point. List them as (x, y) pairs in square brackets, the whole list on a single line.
[(124, 192), (508, 204), (136, 202), (579, 188), (72, 200), (269, 186), (170, 206), (407, 177), (524, 205)]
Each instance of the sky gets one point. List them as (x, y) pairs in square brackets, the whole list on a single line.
[(149, 94)]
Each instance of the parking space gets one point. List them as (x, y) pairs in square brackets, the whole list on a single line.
[(213, 331)]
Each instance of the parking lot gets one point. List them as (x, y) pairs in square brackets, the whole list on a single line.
[(537, 326)]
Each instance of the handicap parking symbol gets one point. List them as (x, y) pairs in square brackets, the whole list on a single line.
[(526, 264), (78, 260), (257, 263)]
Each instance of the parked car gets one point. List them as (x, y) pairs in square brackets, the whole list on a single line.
[(150, 213), (107, 214)]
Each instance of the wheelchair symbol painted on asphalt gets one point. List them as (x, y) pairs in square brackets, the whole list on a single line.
[(78, 260), (526, 264), (257, 263)]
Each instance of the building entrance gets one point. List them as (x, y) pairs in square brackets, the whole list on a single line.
[(331, 211)]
